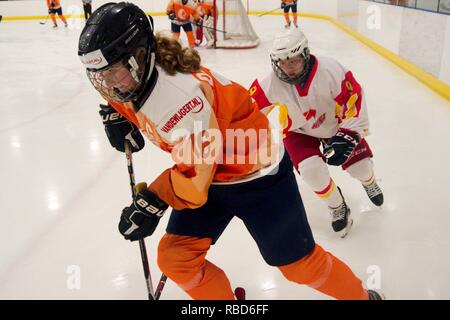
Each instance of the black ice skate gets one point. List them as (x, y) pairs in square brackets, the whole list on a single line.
[(375, 194), (375, 295), (288, 26), (341, 221)]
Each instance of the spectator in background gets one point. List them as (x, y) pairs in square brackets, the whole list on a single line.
[(54, 6), (399, 2), (444, 6), (87, 7)]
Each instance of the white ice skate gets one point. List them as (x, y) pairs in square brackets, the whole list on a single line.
[(375, 194)]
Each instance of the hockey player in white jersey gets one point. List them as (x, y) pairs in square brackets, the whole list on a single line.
[(323, 106)]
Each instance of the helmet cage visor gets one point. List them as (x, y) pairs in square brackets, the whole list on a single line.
[(119, 82), (277, 63)]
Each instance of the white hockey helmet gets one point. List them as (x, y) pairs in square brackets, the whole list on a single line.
[(288, 45)]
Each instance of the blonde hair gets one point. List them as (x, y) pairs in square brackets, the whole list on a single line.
[(173, 57)]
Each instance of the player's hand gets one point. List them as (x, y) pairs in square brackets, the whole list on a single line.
[(141, 218), (171, 15), (283, 5), (118, 129), (341, 146)]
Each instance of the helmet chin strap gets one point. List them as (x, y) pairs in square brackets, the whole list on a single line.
[(307, 70)]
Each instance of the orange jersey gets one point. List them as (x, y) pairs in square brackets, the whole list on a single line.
[(205, 102), (205, 9), (53, 4), (182, 12), (288, 1)]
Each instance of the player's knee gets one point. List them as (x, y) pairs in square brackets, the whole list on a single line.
[(308, 270), (169, 255), (361, 170), (314, 171), (181, 257)]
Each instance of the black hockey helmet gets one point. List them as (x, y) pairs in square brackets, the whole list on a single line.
[(112, 37), (184, 2)]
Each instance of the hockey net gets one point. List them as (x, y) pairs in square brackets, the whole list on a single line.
[(233, 27)]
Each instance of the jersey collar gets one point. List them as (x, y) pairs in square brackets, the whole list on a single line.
[(303, 92)]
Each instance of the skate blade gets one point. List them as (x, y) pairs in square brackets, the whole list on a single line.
[(346, 230)]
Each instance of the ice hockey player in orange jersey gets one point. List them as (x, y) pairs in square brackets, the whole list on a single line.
[(292, 5), (182, 14), (205, 9), (155, 86), (54, 6)]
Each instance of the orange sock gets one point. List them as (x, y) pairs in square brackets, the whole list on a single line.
[(63, 19), (176, 35), (191, 40), (52, 17), (182, 259), (295, 17), (286, 17), (324, 272), (212, 284)]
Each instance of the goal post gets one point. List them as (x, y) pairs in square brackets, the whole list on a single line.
[(233, 29)]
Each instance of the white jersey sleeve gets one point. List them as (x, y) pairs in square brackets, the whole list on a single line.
[(351, 109)]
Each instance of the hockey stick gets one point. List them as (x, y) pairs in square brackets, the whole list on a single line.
[(148, 279), (45, 21), (261, 15), (199, 25)]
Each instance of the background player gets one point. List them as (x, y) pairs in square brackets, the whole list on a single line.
[(161, 88), (292, 5), (54, 6), (87, 7), (181, 14), (205, 9), (324, 104)]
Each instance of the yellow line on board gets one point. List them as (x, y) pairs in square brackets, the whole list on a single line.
[(426, 78)]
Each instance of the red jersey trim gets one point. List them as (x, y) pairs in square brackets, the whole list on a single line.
[(257, 93), (303, 92)]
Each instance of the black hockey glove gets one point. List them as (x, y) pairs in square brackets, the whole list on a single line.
[(171, 15), (283, 5), (118, 129), (340, 147), (141, 218)]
